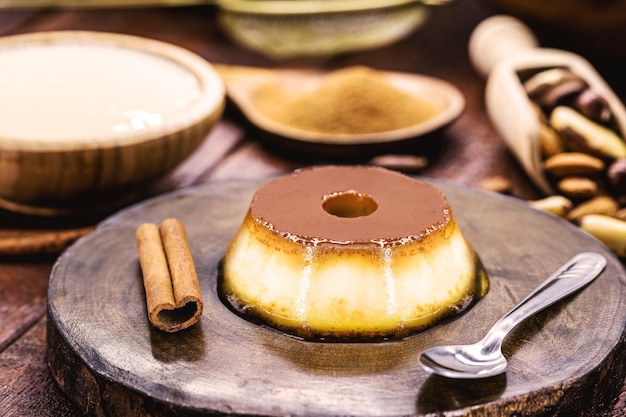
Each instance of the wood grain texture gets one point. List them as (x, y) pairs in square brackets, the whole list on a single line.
[(22, 298), (105, 355), (24, 365)]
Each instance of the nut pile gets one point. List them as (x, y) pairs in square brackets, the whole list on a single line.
[(584, 155)]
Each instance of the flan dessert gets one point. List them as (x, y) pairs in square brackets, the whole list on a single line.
[(350, 253)]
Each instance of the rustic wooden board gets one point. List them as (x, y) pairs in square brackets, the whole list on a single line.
[(106, 357)]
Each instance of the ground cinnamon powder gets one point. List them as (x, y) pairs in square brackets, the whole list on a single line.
[(354, 100)]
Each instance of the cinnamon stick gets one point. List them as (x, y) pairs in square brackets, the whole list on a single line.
[(173, 295)]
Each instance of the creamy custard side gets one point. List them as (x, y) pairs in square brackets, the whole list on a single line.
[(70, 90)]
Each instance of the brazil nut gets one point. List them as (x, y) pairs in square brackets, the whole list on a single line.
[(573, 163), (584, 135)]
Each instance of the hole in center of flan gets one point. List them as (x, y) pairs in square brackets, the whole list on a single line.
[(349, 204)]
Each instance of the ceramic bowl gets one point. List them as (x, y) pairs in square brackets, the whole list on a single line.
[(88, 117), (288, 29)]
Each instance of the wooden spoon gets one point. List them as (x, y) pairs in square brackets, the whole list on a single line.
[(502, 48), (243, 85), (39, 241)]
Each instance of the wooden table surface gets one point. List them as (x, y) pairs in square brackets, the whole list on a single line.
[(468, 152)]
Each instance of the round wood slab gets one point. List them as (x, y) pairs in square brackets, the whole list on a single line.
[(109, 360)]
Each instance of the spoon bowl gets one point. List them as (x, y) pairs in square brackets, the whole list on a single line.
[(485, 359), (245, 87), (464, 361)]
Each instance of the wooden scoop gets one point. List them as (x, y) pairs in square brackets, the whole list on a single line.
[(503, 49), (244, 87)]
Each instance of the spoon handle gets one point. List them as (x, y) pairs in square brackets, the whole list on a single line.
[(573, 275), (496, 39)]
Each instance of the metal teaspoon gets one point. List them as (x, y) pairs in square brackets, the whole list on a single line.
[(484, 358)]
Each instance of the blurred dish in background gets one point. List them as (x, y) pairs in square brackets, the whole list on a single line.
[(88, 117), (286, 29), (354, 111)]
